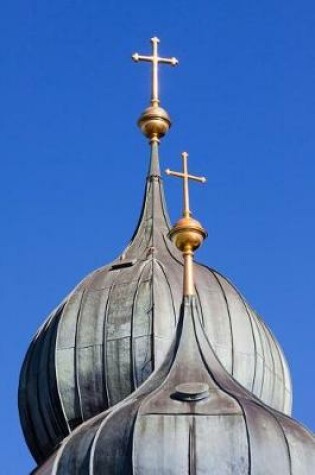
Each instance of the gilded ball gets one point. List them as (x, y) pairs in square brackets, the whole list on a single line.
[(188, 234), (154, 122)]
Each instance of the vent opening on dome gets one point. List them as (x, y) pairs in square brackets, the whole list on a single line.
[(122, 264)]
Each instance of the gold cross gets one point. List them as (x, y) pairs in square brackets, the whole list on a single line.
[(186, 176), (155, 59)]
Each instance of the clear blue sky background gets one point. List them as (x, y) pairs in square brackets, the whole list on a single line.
[(73, 162)]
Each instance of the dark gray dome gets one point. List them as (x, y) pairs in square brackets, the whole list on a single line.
[(109, 334), (189, 417)]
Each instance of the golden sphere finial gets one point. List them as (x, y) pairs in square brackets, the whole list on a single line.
[(188, 234), (154, 122)]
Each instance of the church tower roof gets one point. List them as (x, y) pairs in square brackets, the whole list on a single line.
[(117, 326), (190, 416)]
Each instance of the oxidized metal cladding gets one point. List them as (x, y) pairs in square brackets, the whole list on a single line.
[(117, 325), (41, 412), (228, 431)]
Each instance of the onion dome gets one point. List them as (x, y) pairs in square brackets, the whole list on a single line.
[(190, 416), (115, 328)]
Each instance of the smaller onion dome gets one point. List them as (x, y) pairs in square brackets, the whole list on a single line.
[(189, 417)]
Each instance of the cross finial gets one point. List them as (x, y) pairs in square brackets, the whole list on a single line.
[(155, 59), (187, 234), (186, 177)]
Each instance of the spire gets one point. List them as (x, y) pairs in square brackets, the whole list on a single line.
[(187, 234), (154, 122), (154, 168)]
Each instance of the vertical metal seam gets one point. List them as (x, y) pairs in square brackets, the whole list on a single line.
[(249, 452), (223, 389), (273, 363), (97, 434), (263, 352), (133, 381), (200, 306), (56, 427), (229, 317), (282, 368), (253, 337), (163, 203), (284, 437), (76, 358), (105, 332), (192, 469), (153, 316), (35, 450), (39, 405), (56, 366), (161, 266), (57, 460), (152, 272), (104, 346)]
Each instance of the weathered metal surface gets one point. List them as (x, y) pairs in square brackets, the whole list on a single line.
[(116, 327), (38, 394), (152, 433), (191, 391)]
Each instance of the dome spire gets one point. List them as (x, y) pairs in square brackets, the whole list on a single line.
[(154, 122), (187, 234)]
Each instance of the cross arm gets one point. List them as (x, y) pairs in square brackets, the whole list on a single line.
[(173, 61), (138, 57), (200, 179)]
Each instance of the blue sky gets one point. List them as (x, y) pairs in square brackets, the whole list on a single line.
[(73, 162)]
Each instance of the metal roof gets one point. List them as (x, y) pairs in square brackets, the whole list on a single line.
[(115, 328), (189, 417)]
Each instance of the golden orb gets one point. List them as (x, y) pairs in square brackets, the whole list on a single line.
[(154, 122), (187, 234)]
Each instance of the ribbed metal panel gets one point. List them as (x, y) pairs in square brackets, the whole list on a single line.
[(117, 325), (154, 432)]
